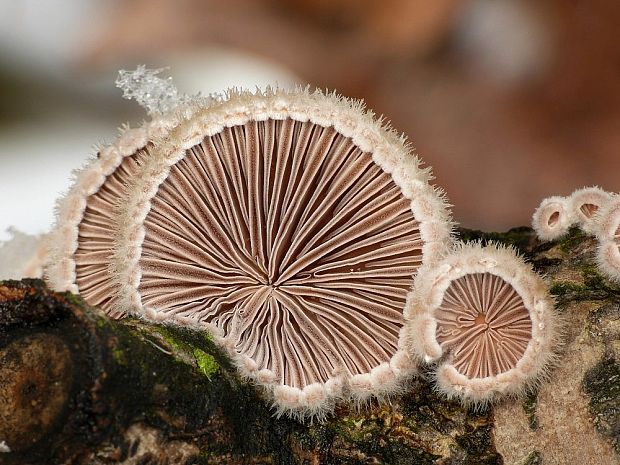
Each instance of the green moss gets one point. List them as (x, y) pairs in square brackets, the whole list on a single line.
[(171, 340), (207, 338), (561, 288), (478, 445), (423, 407), (602, 384), (320, 437), (193, 347), (535, 458), (140, 360), (591, 276), (545, 263), (186, 340), (521, 238), (529, 407), (574, 237), (594, 286), (206, 363), (119, 356), (371, 435), (407, 431), (74, 299), (352, 428)]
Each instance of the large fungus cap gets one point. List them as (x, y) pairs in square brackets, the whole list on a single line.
[(486, 318), (81, 242), (606, 226), (290, 224)]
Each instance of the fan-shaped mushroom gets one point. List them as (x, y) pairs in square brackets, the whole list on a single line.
[(606, 226), (487, 319), (552, 218), (584, 203), (81, 242), (291, 224)]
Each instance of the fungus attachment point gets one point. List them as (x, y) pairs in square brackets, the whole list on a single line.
[(606, 226), (495, 328), (584, 203), (552, 218), (267, 217)]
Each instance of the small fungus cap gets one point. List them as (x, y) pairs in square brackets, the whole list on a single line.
[(488, 321), (584, 203), (290, 224), (81, 242), (552, 218), (606, 227)]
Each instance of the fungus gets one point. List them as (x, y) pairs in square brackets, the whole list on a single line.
[(22, 255), (584, 203), (82, 239), (488, 321), (81, 242), (290, 225), (552, 218), (606, 226)]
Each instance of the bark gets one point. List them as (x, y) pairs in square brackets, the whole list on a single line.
[(79, 388)]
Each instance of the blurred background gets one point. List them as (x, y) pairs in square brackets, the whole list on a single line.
[(509, 101)]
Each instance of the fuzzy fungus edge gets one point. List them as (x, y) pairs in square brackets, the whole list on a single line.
[(349, 118), (421, 326)]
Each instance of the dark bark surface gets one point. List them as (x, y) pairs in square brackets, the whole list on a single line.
[(79, 388)]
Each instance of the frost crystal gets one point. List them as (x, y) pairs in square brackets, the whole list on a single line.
[(155, 94)]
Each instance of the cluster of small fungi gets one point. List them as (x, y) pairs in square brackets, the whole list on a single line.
[(304, 235), (592, 209)]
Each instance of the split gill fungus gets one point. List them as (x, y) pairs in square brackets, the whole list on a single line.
[(552, 218), (82, 241), (606, 227), (487, 320), (556, 214), (584, 203), (304, 235), (288, 224)]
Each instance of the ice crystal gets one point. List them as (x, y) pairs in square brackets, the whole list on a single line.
[(155, 94)]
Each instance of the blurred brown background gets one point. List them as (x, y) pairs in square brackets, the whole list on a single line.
[(509, 101)]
